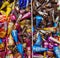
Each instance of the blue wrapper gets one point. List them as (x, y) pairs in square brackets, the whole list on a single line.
[(39, 49), (15, 35), (55, 24), (0, 40), (24, 3), (57, 51), (38, 20), (20, 49), (39, 40), (33, 29)]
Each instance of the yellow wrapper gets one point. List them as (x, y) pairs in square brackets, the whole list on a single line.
[(11, 55), (28, 30), (10, 41), (22, 26), (2, 34), (22, 22), (45, 55), (4, 4), (8, 11), (10, 27), (2, 12), (8, 8), (49, 29), (2, 46), (24, 45)]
